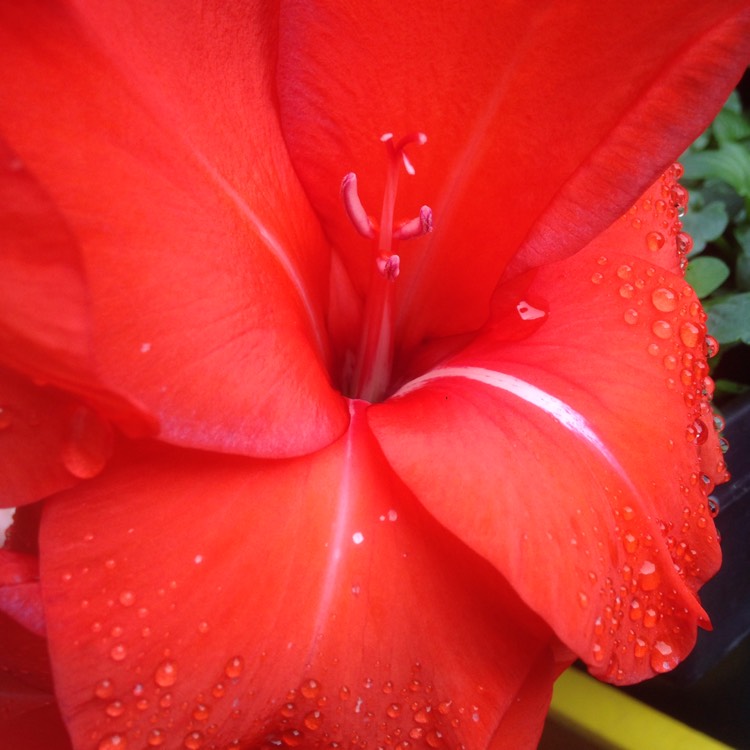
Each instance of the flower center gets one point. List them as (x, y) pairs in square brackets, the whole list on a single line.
[(372, 372)]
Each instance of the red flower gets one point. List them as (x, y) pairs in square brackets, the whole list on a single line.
[(231, 552)]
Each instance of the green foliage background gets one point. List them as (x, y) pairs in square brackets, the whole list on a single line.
[(717, 174)]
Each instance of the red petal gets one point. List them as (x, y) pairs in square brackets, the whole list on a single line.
[(20, 596), (153, 134), (48, 441), (304, 601), (573, 450), (545, 121), (29, 719)]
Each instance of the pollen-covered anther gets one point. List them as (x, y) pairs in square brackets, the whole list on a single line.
[(416, 227), (397, 149), (354, 208), (389, 266)]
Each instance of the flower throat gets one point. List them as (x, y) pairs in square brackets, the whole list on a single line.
[(374, 364)]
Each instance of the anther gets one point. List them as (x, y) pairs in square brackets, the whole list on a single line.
[(416, 227), (389, 266), (354, 208)]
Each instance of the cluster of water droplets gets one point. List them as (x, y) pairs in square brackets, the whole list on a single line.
[(400, 716), (645, 616)]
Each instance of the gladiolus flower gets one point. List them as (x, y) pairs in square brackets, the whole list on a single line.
[(323, 439)]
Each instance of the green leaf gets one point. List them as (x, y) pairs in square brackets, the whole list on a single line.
[(729, 319), (730, 163), (705, 224), (730, 126), (706, 274)]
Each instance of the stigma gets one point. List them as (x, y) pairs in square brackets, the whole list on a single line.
[(374, 365)]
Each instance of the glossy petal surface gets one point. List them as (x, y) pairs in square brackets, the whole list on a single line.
[(193, 633), (586, 488), (200, 257), (498, 91)]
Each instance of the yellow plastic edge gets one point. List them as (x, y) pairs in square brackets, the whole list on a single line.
[(612, 720)]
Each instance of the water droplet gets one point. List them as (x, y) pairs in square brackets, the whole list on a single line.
[(113, 742), (345, 693), (234, 667), (650, 618), (684, 243), (627, 291), (635, 612), (118, 652), (392, 515), (200, 712), (104, 689), (697, 432), (218, 690), (649, 577), (597, 278), (713, 506), (310, 689), (583, 599), (88, 444), (690, 334), (654, 241), (527, 311), (662, 329), (203, 627), (625, 272), (393, 710), (640, 648), (358, 537), (664, 300), (292, 737), (115, 709), (155, 738), (313, 720), (630, 542), (127, 598), (712, 347), (193, 741), (166, 673), (663, 658), (630, 316)]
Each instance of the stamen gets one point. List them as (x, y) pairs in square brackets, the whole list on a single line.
[(418, 226), (375, 358), (389, 266), (354, 208)]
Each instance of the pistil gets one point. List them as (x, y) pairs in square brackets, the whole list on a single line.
[(374, 366)]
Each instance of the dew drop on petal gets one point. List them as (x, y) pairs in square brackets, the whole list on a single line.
[(118, 652), (654, 241), (630, 316), (690, 334), (113, 742), (310, 689), (127, 598), (194, 741), (155, 738), (104, 689), (234, 667), (649, 577), (166, 673), (527, 311), (662, 329), (663, 658), (664, 300), (313, 720)]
